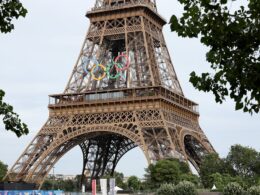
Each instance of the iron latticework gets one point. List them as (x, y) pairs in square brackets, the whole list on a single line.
[(123, 93)]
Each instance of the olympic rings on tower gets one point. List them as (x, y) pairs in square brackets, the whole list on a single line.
[(113, 65)]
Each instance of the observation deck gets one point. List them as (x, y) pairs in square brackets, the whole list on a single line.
[(106, 9), (117, 96)]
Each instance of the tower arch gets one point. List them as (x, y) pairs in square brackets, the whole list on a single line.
[(195, 147), (63, 144)]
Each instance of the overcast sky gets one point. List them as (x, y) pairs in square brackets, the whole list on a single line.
[(37, 58)]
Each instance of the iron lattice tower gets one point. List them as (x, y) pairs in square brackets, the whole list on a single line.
[(123, 93)]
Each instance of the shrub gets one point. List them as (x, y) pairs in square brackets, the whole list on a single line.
[(165, 189), (254, 190), (185, 188), (191, 178), (233, 189)]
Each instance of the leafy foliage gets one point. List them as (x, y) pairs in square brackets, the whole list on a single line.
[(69, 185), (133, 183), (47, 185), (120, 180), (11, 119), (163, 171), (185, 188), (3, 170), (212, 164), (191, 178), (242, 165), (254, 190), (233, 189), (168, 171), (222, 180), (166, 189), (9, 10), (217, 180), (233, 39), (245, 161)]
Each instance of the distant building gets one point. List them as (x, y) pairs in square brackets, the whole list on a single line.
[(125, 179), (67, 177), (61, 177)]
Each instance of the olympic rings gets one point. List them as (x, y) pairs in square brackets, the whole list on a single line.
[(109, 68), (95, 66), (88, 60), (127, 62), (92, 72)]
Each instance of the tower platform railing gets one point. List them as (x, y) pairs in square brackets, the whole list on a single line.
[(125, 4)]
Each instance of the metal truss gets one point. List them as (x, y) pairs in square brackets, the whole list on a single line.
[(145, 107)]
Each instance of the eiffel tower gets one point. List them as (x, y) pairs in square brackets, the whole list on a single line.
[(123, 93)]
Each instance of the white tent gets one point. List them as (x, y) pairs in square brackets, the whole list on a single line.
[(214, 187), (118, 189)]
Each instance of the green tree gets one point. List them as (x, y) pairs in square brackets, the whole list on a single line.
[(10, 10), (119, 177), (222, 180), (217, 180), (241, 166), (11, 119), (212, 164), (69, 185), (133, 183), (166, 171), (233, 39), (246, 163), (78, 186), (148, 184), (47, 185), (3, 170), (185, 188), (190, 178)]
